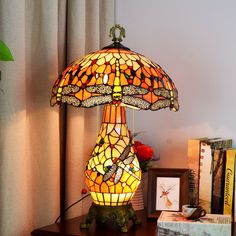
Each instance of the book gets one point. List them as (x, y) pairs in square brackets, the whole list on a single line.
[(205, 178), (234, 193), (229, 181), (200, 163), (218, 178), (206, 169), (173, 223), (193, 165)]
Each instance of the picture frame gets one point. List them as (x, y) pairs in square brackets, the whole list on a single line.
[(167, 190)]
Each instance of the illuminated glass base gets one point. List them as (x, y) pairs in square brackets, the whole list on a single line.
[(113, 173)]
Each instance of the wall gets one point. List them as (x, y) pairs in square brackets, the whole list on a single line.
[(194, 42)]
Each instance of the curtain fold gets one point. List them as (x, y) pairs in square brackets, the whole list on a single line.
[(93, 24), (36, 31)]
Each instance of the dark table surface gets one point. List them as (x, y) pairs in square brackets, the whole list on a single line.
[(71, 227)]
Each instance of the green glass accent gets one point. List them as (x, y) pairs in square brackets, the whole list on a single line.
[(126, 76), (5, 53), (101, 141), (142, 76)]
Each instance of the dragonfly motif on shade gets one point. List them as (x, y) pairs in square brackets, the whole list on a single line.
[(115, 76)]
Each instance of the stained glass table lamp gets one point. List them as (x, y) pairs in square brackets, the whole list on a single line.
[(115, 77)]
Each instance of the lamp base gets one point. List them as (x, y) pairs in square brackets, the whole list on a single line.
[(120, 214)]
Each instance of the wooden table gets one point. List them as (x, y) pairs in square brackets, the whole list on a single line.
[(71, 227)]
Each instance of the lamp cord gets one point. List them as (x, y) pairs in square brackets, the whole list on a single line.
[(66, 209)]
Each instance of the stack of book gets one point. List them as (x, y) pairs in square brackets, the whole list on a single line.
[(212, 165), (173, 223)]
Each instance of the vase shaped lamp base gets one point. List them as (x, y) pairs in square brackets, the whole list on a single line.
[(119, 214)]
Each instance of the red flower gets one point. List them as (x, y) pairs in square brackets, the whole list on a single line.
[(136, 144), (143, 152)]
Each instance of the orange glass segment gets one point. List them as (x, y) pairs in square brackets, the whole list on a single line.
[(98, 180), (79, 95), (148, 97), (84, 79), (123, 116), (123, 67), (144, 85), (94, 68), (89, 70), (75, 80), (123, 80), (112, 115), (101, 69), (104, 188), (92, 82), (136, 81), (97, 188), (107, 69)]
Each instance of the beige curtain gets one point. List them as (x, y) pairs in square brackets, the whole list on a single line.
[(29, 128)]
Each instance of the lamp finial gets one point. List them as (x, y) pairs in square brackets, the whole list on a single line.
[(112, 34)]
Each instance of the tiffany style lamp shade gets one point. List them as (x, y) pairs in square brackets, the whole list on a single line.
[(115, 77)]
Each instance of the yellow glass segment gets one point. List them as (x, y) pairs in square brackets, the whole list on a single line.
[(122, 197), (100, 197), (114, 197), (127, 189), (124, 177), (101, 69), (111, 199), (94, 196), (107, 197)]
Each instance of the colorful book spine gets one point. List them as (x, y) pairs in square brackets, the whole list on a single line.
[(194, 165), (229, 181), (205, 180), (218, 178), (235, 192)]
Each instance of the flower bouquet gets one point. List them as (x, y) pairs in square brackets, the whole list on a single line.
[(145, 154)]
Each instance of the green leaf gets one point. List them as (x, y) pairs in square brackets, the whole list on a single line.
[(5, 53)]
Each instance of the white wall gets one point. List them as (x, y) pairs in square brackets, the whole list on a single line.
[(195, 43)]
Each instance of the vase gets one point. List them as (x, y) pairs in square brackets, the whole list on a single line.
[(139, 200)]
